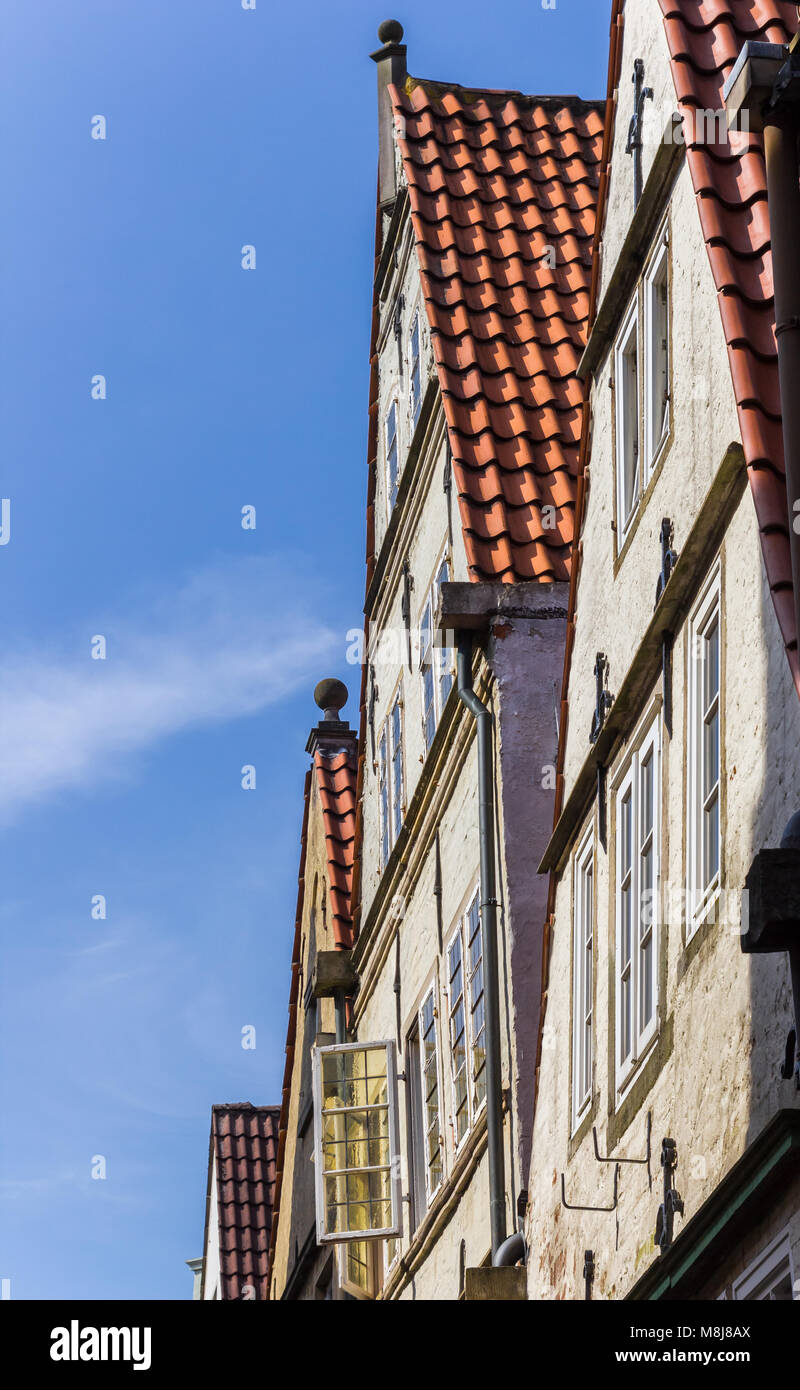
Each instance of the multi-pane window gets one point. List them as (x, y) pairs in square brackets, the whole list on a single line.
[(436, 663), (583, 978), (467, 1020), (477, 1003), (415, 372), (392, 454), (429, 1072), (627, 402), (656, 315), (356, 1149), (390, 779), (637, 874), (704, 754), (458, 1035)]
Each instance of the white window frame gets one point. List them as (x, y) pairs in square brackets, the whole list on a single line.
[(628, 432), (701, 897), (656, 352), (772, 1263), (415, 369), (392, 487), (372, 1262), (430, 997), (432, 657), (392, 1167), (583, 957), (644, 933), (473, 1106), (391, 777)]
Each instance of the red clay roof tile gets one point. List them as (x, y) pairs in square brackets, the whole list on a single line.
[(336, 781), (495, 179)]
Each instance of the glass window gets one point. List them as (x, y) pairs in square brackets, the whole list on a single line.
[(390, 779), (477, 1011), (392, 454), (397, 766), (657, 346), (429, 1061), (627, 411), (436, 663), (356, 1168), (383, 797), (703, 837), (416, 371), (582, 978), (458, 1037), (637, 878), (467, 1019)]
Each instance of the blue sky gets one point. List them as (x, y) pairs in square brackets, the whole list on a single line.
[(225, 388)]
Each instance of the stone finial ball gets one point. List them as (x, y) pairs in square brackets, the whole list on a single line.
[(331, 695), (391, 31)]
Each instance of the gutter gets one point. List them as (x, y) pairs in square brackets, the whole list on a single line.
[(488, 907)]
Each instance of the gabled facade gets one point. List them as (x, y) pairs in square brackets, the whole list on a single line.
[(485, 221), (298, 1267), (666, 1137)]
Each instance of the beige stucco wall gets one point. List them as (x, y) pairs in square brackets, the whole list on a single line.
[(723, 1016)]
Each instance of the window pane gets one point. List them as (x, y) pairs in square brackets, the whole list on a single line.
[(397, 769), (477, 1004), (392, 453), (710, 752), (383, 788), (430, 1090), (354, 1159), (710, 841), (429, 707), (628, 384), (711, 664), (416, 383), (458, 1042)]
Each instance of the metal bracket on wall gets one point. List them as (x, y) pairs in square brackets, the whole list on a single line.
[(602, 1158), (588, 1274), (673, 1202), (572, 1206)]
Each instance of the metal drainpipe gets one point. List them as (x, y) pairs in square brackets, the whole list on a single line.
[(780, 149), (488, 905)]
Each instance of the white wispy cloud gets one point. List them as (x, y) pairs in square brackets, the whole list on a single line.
[(233, 640)]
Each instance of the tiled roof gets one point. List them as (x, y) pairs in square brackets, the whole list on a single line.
[(336, 781), (244, 1139), (503, 190), (705, 38)]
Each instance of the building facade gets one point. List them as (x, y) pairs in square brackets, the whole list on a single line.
[(667, 1120), (484, 227), (542, 1031)]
